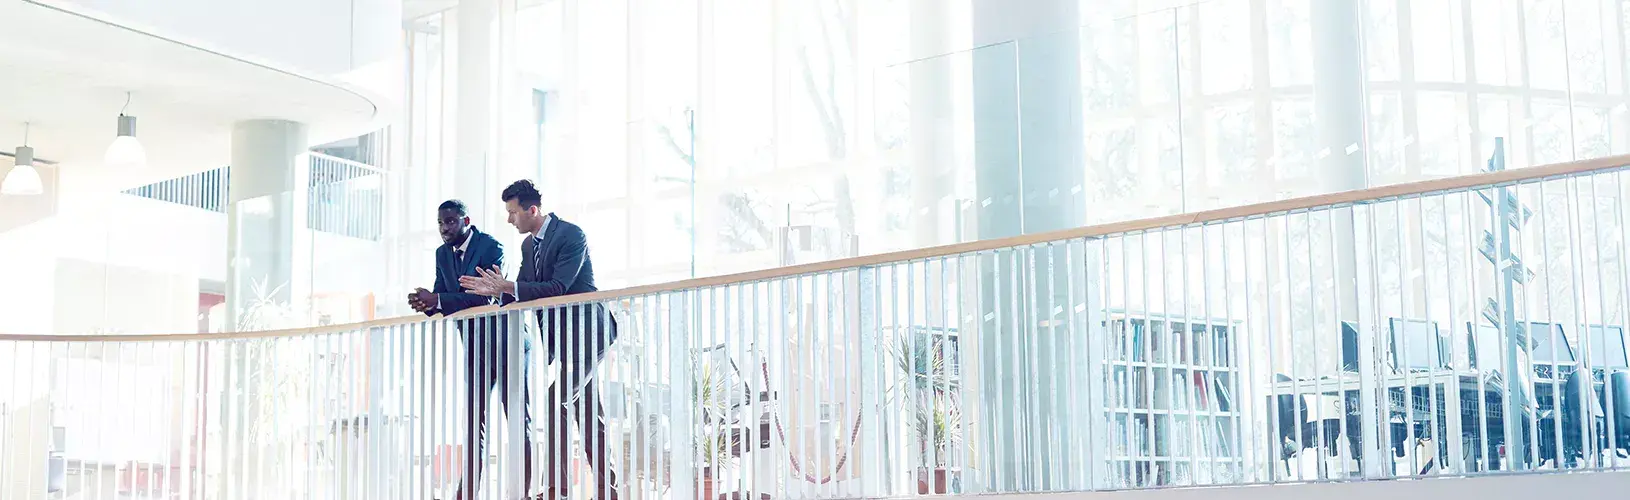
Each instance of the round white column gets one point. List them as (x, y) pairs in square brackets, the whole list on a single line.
[(268, 246), (475, 31)]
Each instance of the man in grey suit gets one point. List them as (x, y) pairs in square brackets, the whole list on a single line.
[(554, 262)]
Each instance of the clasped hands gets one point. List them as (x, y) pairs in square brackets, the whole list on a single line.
[(487, 283)]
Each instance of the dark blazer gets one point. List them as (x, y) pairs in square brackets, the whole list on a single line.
[(483, 252), (560, 265)]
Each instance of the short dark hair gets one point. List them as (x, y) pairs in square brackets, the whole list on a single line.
[(454, 205), (523, 193)]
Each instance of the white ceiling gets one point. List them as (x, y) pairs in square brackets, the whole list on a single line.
[(68, 75)]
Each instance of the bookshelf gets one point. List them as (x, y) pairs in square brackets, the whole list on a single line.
[(1171, 403)]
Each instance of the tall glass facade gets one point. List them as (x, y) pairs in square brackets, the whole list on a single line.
[(701, 137)]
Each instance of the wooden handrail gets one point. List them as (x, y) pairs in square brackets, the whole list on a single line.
[(1205, 216)]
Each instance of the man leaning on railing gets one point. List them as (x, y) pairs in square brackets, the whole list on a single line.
[(554, 262), (486, 349)]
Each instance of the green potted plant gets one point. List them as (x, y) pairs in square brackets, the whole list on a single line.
[(932, 397), (716, 442), (938, 425)]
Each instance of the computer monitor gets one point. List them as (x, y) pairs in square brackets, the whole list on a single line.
[(1606, 347), (1349, 346), (1417, 345), (1485, 347), (1550, 344)]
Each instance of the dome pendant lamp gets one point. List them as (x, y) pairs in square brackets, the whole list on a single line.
[(23, 179), (126, 152)]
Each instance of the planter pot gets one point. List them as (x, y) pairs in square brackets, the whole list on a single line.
[(704, 487), (933, 481)]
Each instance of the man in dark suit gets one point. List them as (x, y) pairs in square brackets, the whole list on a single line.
[(486, 349), (554, 262)]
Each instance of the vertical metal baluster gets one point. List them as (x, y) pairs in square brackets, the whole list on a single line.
[(233, 393), (355, 421), (1242, 343), (1041, 463), (1202, 365), (1062, 330), (662, 330), (390, 454), (436, 403), (1481, 440), (1023, 458), (1121, 404), (1581, 315), (822, 337), (1283, 265), (1322, 466), (13, 386), (1003, 468), (643, 313), (836, 394), (1449, 381), (1401, 350), (921, 452), (681, 400), (1343, 410), (1210, 365), (1237, 353), (1597, 452), (1611, 409), (751, 344), (726, 329), (967, 285), (1189, 358), (948, 331), (580, 353), (275, 474), (1148, 362), (1198, 365), (30, 388), (782, 358), (899, 343), (799, 363)]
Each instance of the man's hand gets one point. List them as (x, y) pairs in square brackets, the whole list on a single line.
[(422, 300), (490, 283)]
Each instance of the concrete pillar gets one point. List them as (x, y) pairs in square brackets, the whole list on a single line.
[(475, 34), (1028, 174), (933, 158), (268, 246), (1340, 109), (269, 251)]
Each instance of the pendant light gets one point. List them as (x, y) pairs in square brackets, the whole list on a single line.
[(126, 152), (23, 179)]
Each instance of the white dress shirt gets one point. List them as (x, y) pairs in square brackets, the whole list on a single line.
[(461, 252), (537, 248)]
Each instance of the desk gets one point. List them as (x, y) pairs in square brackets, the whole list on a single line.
[(1401, 410)]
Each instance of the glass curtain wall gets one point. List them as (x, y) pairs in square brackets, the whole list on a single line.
[(700, 137)]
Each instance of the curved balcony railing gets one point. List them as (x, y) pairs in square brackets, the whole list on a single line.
[(1467, 325)]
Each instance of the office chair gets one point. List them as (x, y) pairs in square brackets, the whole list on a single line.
[(1296, 432), (1617, 381), (1573, 407)]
